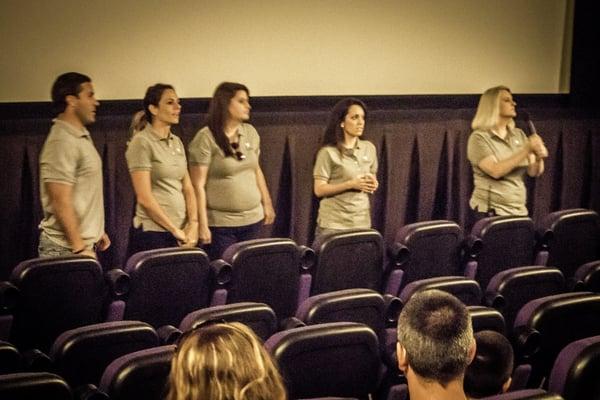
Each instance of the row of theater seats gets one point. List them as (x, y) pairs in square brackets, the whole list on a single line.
[(161, 287), (126, 360)]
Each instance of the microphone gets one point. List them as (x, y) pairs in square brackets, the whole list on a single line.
[(533, 132)]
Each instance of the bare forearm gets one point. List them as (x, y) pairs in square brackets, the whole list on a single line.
[(536, 166), (262, 188), (65, 214), (325, 189)]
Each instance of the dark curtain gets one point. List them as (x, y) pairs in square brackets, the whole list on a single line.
[(423, 174)]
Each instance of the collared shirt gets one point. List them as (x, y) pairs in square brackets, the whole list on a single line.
[(69, 157), (506, 195), (350, 209), (232, 195), (166, 161)]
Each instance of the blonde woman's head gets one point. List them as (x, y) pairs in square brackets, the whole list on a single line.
[(223, 361), (488, 109)]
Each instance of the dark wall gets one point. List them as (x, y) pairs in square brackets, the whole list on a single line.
[(421, 141)]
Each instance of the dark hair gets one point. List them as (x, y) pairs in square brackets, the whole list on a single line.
[(334, 134), (218, 112), (67, 84), (435, 330), (491, 367), (152, 97)]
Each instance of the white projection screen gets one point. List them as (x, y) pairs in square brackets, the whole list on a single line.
[(286, 48)]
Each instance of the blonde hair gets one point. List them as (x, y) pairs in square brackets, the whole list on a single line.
[(224, 361), (138, 123), (488, 110)]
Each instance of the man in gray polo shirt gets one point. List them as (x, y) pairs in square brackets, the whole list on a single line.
[(71, 174)]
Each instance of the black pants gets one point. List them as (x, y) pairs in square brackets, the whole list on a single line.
[(225, 236), (149, 240), (475, 215)]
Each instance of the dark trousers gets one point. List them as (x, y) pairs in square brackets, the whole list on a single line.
[(149, 240), (225, 236), (475, 215)]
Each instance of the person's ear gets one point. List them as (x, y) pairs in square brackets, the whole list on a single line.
[(402, 358), (153, 109), (342, 124), (506, 385), (472, 350), (71, 100)]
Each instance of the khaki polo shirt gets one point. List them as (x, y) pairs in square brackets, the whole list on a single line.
[(69, 156), (350, 209), (232, 195), (507, 195), (166, 161)]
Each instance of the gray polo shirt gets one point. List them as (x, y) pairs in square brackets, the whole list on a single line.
[(166, 161), (69, 157), (507, 195), (350, 209), (232, 195)]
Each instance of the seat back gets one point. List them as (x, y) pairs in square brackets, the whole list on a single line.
[(167, 284), (347, 260), (34, 385), (258, 316), (487, 319), (335, 359), (525, 394), (511, 289), (265, 271), (466, 290), (571, 238), (139, 375), (432, 248), (587, 277), (10, 358), (56, 294), (506, 242), (575, 371), (558, 320), (80, 355), (363, 306)]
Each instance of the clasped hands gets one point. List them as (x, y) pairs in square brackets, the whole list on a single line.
[(537, 146), (365, 183)]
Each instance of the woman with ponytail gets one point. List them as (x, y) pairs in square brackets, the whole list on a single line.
[(166, 211)]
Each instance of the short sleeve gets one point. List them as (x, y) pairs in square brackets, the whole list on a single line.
[(139, 154), (478, 148), (322, 169), (375, 164), (58, 162), (200, 147)]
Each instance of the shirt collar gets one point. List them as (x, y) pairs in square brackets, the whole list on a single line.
[(71, 129), (155, 136)]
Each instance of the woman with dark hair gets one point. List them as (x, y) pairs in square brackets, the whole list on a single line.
[(166, 211), (230, 186), (345, 171)]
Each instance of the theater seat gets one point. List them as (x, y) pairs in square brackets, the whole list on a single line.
[(525, 394), (263, 271), (335, 359), (511, 289), (80, 355), (499, 243), (258, 316), (427, 249), (34, 385), (550, 323), (569, 239), (349, 259), (54, 295), (464, 289), (575, 371), (139, 375), (166, 285)]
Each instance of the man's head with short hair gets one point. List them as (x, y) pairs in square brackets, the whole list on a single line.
[(435, 337), (489, 373), (67, 84)]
